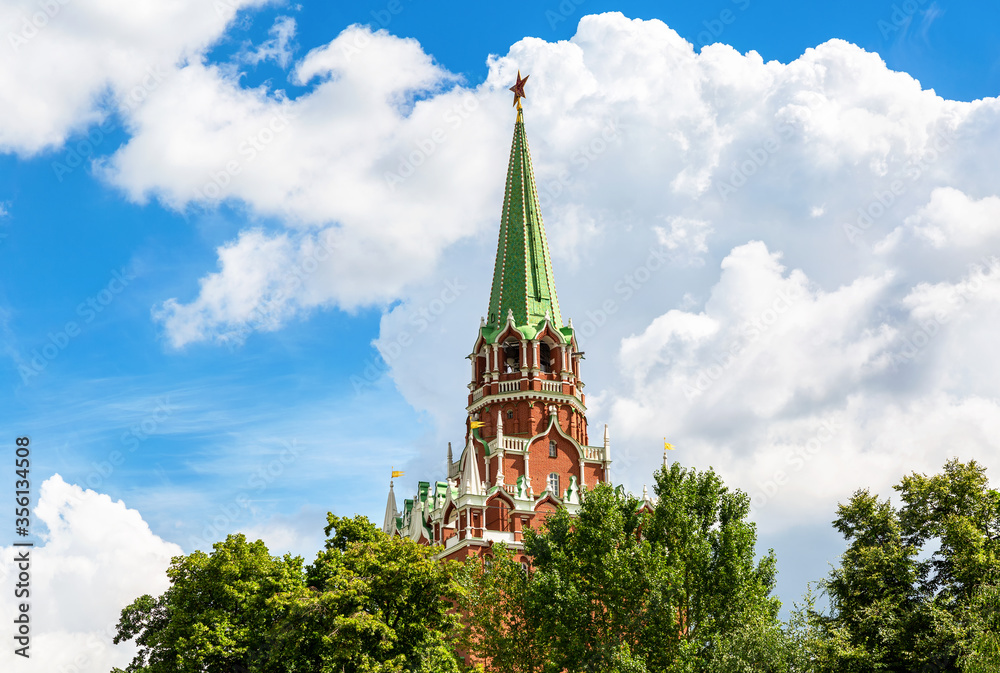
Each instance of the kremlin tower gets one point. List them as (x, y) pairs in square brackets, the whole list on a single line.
[(526, 442)]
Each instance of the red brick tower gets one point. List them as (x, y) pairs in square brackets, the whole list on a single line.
[(526, 450)]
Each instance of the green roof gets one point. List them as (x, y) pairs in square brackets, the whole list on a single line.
[(522, 277)]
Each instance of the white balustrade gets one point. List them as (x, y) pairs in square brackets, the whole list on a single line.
[(498, 536), (510, 386)]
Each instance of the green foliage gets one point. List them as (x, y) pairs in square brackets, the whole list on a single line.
[(708, 546), (385, 605), (614, 589), (346, 531), (983, 653), (916, 587), (215, 615), (369, 604), (499, 627), (619, 589)]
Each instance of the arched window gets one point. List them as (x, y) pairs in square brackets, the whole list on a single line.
[(511, 357), (545, 355), (553, 451)]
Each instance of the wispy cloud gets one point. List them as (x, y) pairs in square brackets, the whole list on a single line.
[(279, 48)]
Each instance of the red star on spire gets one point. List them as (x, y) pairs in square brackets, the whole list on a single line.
[(518, 89)]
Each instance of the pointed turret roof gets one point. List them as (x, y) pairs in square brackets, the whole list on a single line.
[(522, 277), (471, 483), (389, 524)]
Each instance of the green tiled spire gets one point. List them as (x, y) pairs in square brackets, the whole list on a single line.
[(522, 277)]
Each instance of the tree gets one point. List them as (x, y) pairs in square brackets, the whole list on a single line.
[(215, 616), (368, 604), (497, 614), (371, 604), (726, 617), (617, 589), (916, 587)]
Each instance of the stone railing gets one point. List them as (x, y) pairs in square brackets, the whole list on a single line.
[(498, 536), (552, 386), (477, 394), (593, 452), (509, 444), (510, 386)]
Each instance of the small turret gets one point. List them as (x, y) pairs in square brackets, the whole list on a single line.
[(471, 483), (389, 524)]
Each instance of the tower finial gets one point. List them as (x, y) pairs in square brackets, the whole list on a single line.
[(518, 90)]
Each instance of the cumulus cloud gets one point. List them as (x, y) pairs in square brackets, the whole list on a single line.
[(842, 224), (68, 65), (96, 558), (755, 253), (952, 219), (338, 165), (393, 163)]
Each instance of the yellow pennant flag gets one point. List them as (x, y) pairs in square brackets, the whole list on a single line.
[(397, 473), (476, 424), (666, 446)]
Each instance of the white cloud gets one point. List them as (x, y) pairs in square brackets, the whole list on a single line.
[(67, 65), (337, 165), (724, 156), (649, 157), (684, 234), (278, 48), (97, 557), (953, 219), (393, 164)]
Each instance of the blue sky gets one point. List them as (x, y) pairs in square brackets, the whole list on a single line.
[(141, 372)]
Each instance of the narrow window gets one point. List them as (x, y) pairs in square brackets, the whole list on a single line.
[(553, 452), (554, 483), (510, 414), (511, 357)]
